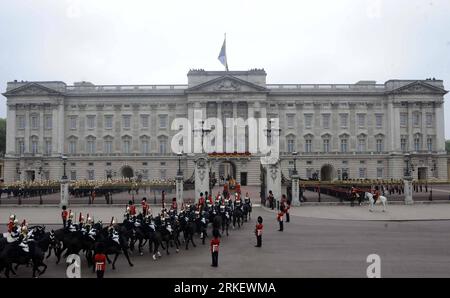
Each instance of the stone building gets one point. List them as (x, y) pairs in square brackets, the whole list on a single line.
[(359, 130)]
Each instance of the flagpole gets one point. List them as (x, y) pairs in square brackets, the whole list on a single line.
[(226, 64)]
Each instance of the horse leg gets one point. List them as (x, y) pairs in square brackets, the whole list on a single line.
[(192, 240), (45, 268), (140, 247), (115, 259), (125, 252), (107, 258)]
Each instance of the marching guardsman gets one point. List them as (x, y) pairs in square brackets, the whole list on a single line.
[(201, 202), (258, 232), (280, 220), (12, 217), (145, 206), (174, 205), (271, 200), (131, 208), (215, 242), (100, 261), (64, 216), (286, 206)]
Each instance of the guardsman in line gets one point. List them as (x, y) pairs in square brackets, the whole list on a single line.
[(280, 220), (215, 242), (201, 202), (258, 232), (100, 261), (64, 216), (145, 206), (271, 200), (131, 208)]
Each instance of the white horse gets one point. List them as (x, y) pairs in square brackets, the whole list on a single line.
[(381, 199)]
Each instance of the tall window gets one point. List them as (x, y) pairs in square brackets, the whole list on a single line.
[(430, 144), (361, 120), (34, 145), (162, 121), (34, 122), (416, 119), (108, 122), (73, 175), (308, 120), (380, 173), (163, 173), (309, 173), (344, 120), (48, 122), (344, 144), (145, 174), (429, 119), (326, 121), (20, 146), (126, 121), (108, 146), (308, 144), (90, 145), (144, 121), (20, 122), (73, 122), (379, 145), (72, 146), (290, 145), (417, 146), (326, 145), (126, 145), (290, 120), (403, 119), (361, 144), (362, 173), (48, 147), (144, 146), (91, 121), (379, 120), (404, 143), (91, 175), (162, 145)]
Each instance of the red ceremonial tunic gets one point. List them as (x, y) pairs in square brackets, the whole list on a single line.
[(132, 210), (259, 229), (174, 205), (144, 207), (280, 216), (100, 262), (215, 242), (10, 226), (64, 214)]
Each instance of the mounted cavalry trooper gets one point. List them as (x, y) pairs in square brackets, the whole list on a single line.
[(23, 237), (174, 205), (12, 217), (70, 225), (112, 231), (237, 201), (145, 207), (131, 208), (15, 232)]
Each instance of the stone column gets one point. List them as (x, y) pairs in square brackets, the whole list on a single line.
[(64, 193), (295, 190), (61, 127), (201, 176), (179, 186), (408, 191), (11, 130)]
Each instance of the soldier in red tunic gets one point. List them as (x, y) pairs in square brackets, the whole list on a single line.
[(131, 208), (280, 220), (12, 217), (174, 205), (64, 216), (215, 242), (145, 207), (258, 232), (201, 202), (100, 262)]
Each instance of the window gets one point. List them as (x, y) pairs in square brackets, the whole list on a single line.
[(144, 121), (290, 145), (48, 147), (20, 122), (326, 145), (416, 119), (48, 122), (361, 120), (73, 122), (20, 146), (379, 145), (361, 144), (308, 145), (362, 172), (380, 173), (91, 175), (34, 145), (108, 146), (144, 146), (34, 122), (145, 174), (326, 121), (162, 173), (417, 145), (309, 173), (308, 120), (379, 120), (162, 121), (73, 146), (403, 119), (404, 143), (429, 119), (126, 146), (430, 144), (163, 145), (73, 175), (344, 145), (126, 121), (290, 120), (91, 121), (108, 122), (344, 120), (90, 146)]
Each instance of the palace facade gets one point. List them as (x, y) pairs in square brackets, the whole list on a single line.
[(360, 130)]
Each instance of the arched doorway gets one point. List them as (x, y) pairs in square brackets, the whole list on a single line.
[(227, 171), (327, 173), (127, 172)]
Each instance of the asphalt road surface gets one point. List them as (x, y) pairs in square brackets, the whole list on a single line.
[(308, 247)]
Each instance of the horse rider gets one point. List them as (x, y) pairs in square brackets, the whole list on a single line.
[(145, 206), (354, 194), (237, 201), (15, 232), (201, 202), (376, 194), (113, 234), (64, 216), (70, 225), (23, 237), (174, 205), (131, 208), (12, 218)]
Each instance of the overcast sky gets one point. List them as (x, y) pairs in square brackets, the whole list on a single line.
[(157, 42)]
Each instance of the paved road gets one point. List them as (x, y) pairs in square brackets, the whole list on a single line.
[(309, 247)]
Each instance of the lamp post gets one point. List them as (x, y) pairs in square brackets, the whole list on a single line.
[(295, 182), (408, 178), (294, 154), (203, 131), (179, 181), (64, 184), (64, 159), (179, 154), (433, 170)]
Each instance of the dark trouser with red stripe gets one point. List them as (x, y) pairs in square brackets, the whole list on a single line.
[(281, 225), (100, 273), (259, 240), (215, 258), (287, 217)]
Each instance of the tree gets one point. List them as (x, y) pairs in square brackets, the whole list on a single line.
[(447, 146), (2, 135)]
